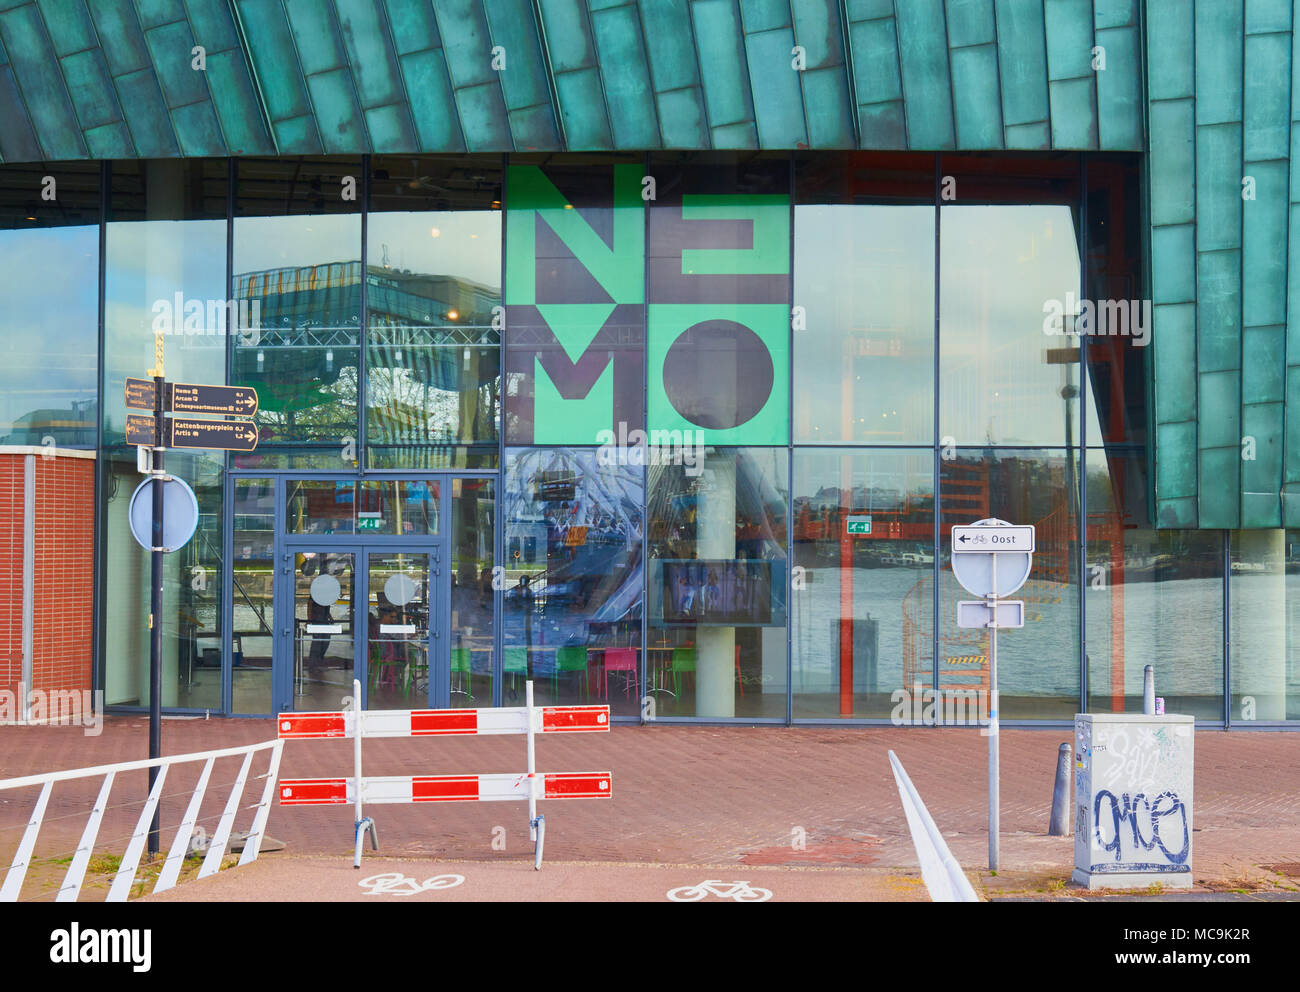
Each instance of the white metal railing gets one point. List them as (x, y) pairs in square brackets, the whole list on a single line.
[(942, 873), (124, 878)]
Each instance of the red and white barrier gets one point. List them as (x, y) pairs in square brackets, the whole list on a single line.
[(443, 788), (434, 723), (530, 785)]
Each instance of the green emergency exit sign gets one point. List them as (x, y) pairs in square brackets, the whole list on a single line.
[(857, 525)]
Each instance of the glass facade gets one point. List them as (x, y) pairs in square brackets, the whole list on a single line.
[(686, 432), (49, 315)]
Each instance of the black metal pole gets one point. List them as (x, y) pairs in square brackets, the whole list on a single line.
[(155, 611)]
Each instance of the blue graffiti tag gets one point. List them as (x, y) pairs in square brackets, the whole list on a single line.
[(1166, 804)]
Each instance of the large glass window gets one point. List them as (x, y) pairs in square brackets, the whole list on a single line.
[(49, 304), (1264, 588), (252, 589), (862, 590), (164, 272), (165, 279), (573, 576), (1009, 285), (864, 293), (192, 589), (433, 286), (1154, 597), (297, 267), (575, 295), (1038, 665), (718, 314), (473, 608), (716, 585)]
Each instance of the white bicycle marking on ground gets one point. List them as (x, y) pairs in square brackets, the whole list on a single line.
[(737, 891), (394, 883)]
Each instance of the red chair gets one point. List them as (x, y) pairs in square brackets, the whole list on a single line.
[(621, 660)]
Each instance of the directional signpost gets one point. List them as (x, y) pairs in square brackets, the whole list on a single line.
[(858, 525), (992, 559), (154, 433), (224, 401), (231, 435)]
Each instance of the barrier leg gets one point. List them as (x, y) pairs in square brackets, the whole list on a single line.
[(362, 827), (538, 825)]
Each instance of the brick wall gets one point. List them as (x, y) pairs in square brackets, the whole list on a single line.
[(11, 571), (63, 594)]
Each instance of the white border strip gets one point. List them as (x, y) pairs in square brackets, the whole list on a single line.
[(942, 873), (125, 876), (72, 881), (181, 843)]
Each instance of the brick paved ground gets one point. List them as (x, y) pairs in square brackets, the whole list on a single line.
[(693, 795)]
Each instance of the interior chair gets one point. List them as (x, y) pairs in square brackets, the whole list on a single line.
[(460, 664), (383, 670), (683, 661), (515, 664), (570, 658), (621, 660)]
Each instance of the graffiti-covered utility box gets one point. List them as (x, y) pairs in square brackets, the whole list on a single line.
[(1133, 801)]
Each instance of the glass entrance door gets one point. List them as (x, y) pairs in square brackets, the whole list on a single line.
[(390, 582), (372, 611), (323, 636), (402, 635)]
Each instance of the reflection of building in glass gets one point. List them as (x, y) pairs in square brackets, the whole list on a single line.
[(432, 354), (67, 426)]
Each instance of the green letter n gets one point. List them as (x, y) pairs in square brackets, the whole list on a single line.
[(619, 270)]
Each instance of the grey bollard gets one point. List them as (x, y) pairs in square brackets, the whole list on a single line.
[(1149, 691), (1060, 822)]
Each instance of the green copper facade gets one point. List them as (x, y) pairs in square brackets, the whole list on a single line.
[(88, 79), (1223, 281)]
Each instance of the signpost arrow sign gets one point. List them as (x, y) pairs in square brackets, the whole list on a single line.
[(140, 429), (983, 538), (139, 394), (233, 401), (228, 435)]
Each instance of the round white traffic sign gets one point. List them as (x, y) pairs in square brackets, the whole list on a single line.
[(180, 513), (974, 570)]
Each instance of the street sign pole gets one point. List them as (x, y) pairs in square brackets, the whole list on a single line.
[(155, 604), (975, 552), (994, 756)]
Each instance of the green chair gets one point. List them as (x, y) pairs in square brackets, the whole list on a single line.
[(460, 662), (516, 664), (384, 672), (417, 671), (683, 661), (570, 658)]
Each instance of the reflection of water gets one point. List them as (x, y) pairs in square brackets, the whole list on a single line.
[(1176, 626), (1173, 625)]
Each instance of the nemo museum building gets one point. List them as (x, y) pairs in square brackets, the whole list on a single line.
[(651, 350)]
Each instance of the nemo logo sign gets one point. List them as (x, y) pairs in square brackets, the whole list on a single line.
[(601, 305)]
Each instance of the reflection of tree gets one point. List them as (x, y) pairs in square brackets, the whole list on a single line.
[(593, 537), (422, 388)]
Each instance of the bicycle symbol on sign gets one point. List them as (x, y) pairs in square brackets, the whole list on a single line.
[(737, 891), (396, 884)]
